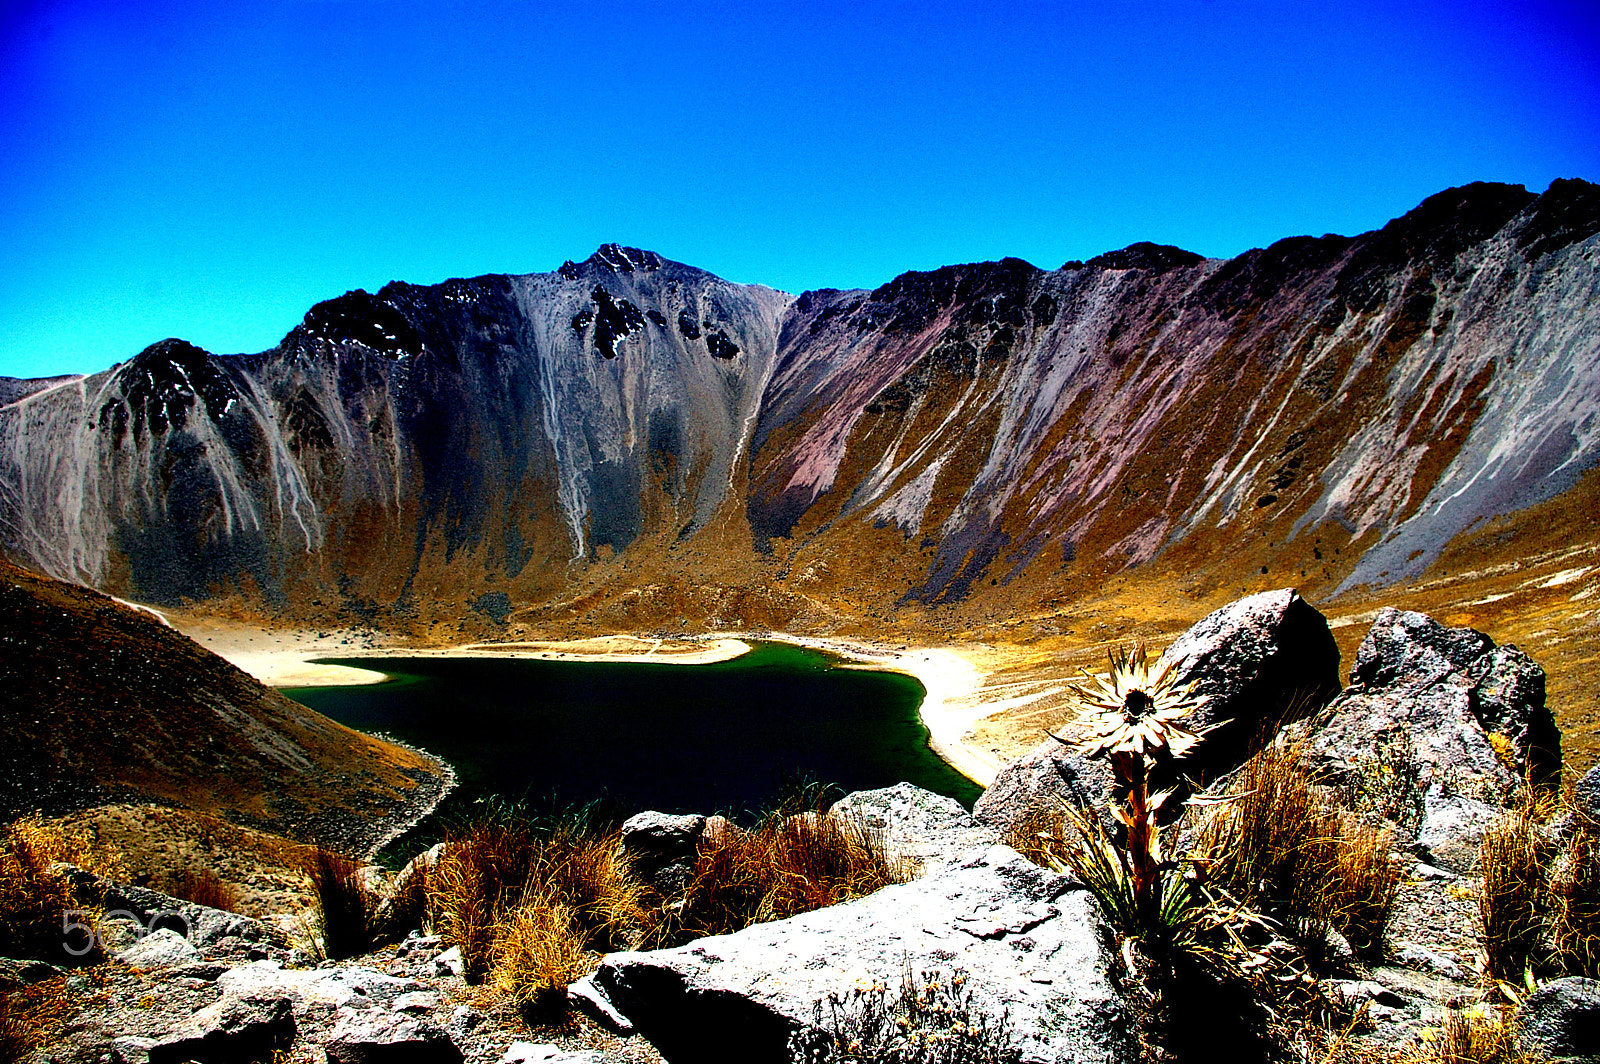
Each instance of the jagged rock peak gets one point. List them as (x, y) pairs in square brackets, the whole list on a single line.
[(1154, 258), (363, 318), (617, 259)]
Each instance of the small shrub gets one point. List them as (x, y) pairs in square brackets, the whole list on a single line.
[(1282, 846), (203, 887), (34, 901), (787, 865), (344, 906), (1575, 904), (1473, 1036), (539, 952), (1512, 899), (932, 1020)]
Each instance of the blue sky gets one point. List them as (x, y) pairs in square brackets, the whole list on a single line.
[(210, 170)]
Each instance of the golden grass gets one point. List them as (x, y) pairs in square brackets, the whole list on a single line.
[(34, 902), (507, 864), (789, 864), (1285, 848), (17, 1035), (1575, 903), (201, 886), (343, 905), (1512, 900), (538, 953), (1472, 1036)]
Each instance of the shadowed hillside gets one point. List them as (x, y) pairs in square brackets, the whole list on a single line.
[(100, 702)]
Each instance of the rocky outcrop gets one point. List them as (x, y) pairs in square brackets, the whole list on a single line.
[(1255, 664), (1462, 715), (913, 824), (1028, 942), (236, 1028), (660, 847), (1560, 1022)]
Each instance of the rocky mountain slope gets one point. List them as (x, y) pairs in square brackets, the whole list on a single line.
[(630, 440), (100, 702)]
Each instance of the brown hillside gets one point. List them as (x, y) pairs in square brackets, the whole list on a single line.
[(100, 702)]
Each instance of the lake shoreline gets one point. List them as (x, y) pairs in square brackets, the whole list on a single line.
[(949, 710)]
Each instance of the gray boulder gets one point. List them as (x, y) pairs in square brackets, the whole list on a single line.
[(349, 987), (915, 824), (661, 847), (1031, 945), (236, 1028), (1561, 1022), (1586, 796), (160, 949), (379, 1037), (154, 911), (1027, 794), (1257, 664), (1436, 694), (1452, 831)]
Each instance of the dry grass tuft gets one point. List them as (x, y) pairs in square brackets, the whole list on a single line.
[(1040, 836), (1575, 903), (506, 862), (33, 901), (1285, 848), (344, 906), (539, 952), (203, 887), (789, 864), (1473, 1036), (17, 1036), (1512, 900)]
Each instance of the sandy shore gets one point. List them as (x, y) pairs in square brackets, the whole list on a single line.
[(954, 677)]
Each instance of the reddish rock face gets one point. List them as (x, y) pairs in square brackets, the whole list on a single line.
[(642, 442)]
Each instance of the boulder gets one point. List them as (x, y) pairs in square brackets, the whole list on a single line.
[(1586, 796), (1452, 830), (379, 1037), (1028, 793), (1256, 663), (239, 1027), (1029, 943), (1432, 696), (661, 847), (160, 949), (915, 824), (1561, 1022), (401, 898), (154, 911), (343, 987)]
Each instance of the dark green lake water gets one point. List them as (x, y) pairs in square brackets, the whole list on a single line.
[(723, 737)]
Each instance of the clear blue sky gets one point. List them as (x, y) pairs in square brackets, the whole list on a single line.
[(210, 170)]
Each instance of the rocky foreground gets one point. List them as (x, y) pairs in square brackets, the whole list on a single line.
[(1463, 720)]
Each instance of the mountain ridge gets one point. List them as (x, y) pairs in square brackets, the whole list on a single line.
[(984, 436)]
